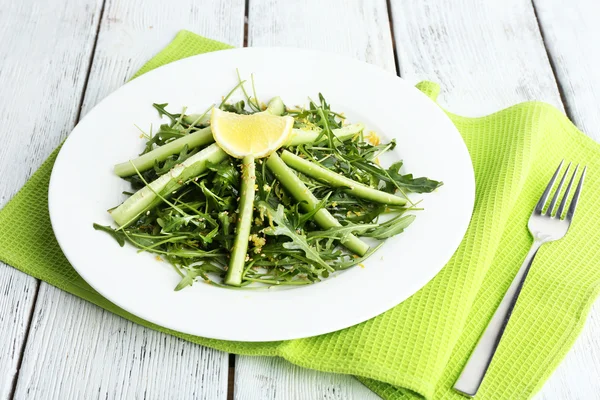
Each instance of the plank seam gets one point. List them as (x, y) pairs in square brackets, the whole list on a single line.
[(246, 13), (393, 35), (552, 63), (13, 387), (231, 377), (231, 359), (37, 281), (90, 62)]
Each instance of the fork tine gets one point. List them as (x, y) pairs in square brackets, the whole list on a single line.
[(573, 205), (542, 201), (563, 202), (557, 193)]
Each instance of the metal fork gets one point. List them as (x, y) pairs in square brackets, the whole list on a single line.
[(544, 227)]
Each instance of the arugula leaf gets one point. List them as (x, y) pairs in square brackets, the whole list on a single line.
[(197, 222), (117, 235), (191, 273), (342, 231), (162, 111), (225, 174), (238, 108), (304, 218), (391, 227), (298, 240), (225, 224), (173, 223), (172, 161), (416, 185), (353, 261)]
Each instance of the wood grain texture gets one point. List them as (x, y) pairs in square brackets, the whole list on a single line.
[(487, 55), (76, 350), (359, 29), (490, 55), (45, 52), (273, 378), (578, 376), (133, 31), (571, 33), (17, 294), (571, 30)]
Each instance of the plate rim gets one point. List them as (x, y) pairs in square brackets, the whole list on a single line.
[(148, 76)]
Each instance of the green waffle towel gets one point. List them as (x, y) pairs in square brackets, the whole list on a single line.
[(418, 347)]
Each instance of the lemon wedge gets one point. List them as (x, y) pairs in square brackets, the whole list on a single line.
[(256, 135)]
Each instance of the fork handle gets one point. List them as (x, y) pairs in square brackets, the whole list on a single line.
[(474, 370)]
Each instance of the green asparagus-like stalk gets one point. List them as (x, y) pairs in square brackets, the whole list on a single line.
[(146, 161), (355, 188), (301, 193), (276, 106), (244, 222), (148, 197), (300, 136), (192, 140), (204, 136), (197, 119)]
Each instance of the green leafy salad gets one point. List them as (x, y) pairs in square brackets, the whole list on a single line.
[(318, 203)]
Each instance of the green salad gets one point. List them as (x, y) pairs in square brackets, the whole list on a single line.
[(320, 203)]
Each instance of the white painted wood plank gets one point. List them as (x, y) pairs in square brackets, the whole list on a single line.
[(486, 55), (356, 28), (17, 294), (490, 55), (364, 55), (571, 32), (76, 350), (578, 376), (359, 29), (135, 30), (273, 378), (42, 78)]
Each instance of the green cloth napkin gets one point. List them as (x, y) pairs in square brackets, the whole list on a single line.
[(419, 347)]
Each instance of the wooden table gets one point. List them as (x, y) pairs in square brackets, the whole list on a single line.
[(59, 58)]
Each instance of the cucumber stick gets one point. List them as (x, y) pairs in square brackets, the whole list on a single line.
[(301, 136), (148, 197), (244, 223), (196, 139), (146, 161), (204, 136), (301, 193), (352, 187)]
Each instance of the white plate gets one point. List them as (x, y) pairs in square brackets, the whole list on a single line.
[(83, 187)]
